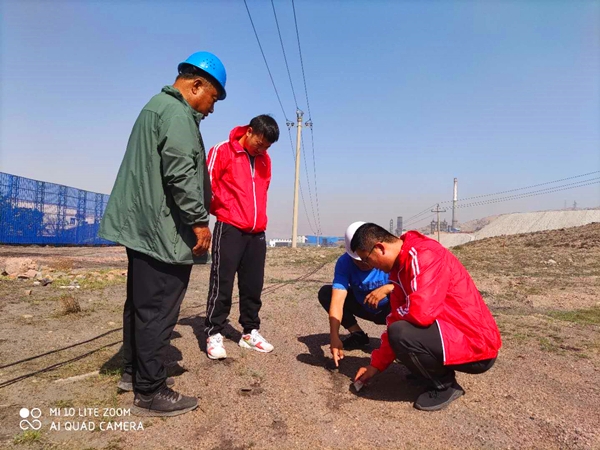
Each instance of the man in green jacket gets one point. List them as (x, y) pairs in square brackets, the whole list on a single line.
[(158, 210)]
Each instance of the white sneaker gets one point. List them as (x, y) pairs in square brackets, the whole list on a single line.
[(256, 342), (214, 347)]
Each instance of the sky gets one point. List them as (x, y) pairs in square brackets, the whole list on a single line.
[(404, 96)]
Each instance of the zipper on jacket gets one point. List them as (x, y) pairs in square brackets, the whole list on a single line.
[(253, 187)]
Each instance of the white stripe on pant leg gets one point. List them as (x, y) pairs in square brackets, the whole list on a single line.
[(212, 298)]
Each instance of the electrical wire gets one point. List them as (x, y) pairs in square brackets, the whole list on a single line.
[(526, 187), (312, 205), (3, 384), (301, 60), (265, 60), (284, 55), (532, 194), (300, 186), (309, 122)]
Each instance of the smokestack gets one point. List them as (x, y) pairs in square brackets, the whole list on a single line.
[(399, 226), (454, 200)]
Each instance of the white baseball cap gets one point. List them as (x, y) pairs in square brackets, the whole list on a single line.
[(348, 238)]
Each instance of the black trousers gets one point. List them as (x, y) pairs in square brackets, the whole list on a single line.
[(155, 291), (234, 251), (352, 309), (420, 350)]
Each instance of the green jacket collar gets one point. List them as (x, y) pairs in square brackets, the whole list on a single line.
[(174, 92)]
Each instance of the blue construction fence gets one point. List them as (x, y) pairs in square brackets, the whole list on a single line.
[(37, 212)]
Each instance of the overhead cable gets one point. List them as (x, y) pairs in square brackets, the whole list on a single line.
[(284, 55), (526, 187), (265, 60)]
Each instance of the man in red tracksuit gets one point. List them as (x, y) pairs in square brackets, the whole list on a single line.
[(439, 323), (240, 173)]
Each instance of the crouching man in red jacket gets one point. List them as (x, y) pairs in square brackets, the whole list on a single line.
[(438, 324), (240, 174)]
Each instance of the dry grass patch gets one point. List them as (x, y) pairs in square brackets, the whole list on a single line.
[(69, 305)]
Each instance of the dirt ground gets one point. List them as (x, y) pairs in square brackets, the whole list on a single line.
[(543, 392)]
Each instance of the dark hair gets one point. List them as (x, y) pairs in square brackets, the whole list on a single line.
[(369, 234), (264, 125), (190, 72)]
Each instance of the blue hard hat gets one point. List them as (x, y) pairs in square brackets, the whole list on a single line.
[(210, 64)]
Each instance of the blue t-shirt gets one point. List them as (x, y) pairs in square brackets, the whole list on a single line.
[(348, 276)]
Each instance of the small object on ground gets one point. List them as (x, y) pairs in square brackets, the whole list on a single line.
[(45, 281), (77, 377), (358, 385), (28, 291)]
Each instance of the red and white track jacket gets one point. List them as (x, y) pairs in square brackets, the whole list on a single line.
[(431, 285), (239, 193)]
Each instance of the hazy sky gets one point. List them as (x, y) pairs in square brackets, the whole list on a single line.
[(404, 96)]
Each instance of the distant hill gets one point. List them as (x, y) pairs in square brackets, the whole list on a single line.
[(520, 223)]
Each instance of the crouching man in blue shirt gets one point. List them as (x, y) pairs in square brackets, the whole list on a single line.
[(357, 290)]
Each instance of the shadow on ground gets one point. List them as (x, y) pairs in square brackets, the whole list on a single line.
[(390, 385), (114, 365), (197, 324)]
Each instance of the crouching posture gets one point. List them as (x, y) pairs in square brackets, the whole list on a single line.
[(358, 290), (439, 323)]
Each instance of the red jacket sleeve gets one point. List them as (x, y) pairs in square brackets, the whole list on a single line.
[(382, 357), (429, 282), (216, 166)]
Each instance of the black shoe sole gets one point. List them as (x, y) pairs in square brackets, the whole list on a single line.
[(356, 347), (145, 412), (456, 394)]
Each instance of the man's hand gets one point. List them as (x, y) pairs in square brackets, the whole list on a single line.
[(364, 374), (337, 350), (203, 237), (375, 296)]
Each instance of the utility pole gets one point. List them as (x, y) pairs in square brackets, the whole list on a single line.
[(299, 115), (438, 211)]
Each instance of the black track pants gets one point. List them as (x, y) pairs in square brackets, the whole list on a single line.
[(155, 291), (420, 350), (234, 251), (352, 309)]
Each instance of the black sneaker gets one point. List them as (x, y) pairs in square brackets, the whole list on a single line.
[(165, 403), (126, 382), (357, 339), (434, 400)]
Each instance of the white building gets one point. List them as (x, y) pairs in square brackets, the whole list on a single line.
[(286, 242)]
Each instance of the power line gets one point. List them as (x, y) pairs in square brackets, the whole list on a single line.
[(284, 55), (426, 210), (312, 141), (309, 122), (526, 187), (301, 60), (533, 194), (3, 384), (309, 190), (422, 219), (265, 60), (301, 192)]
